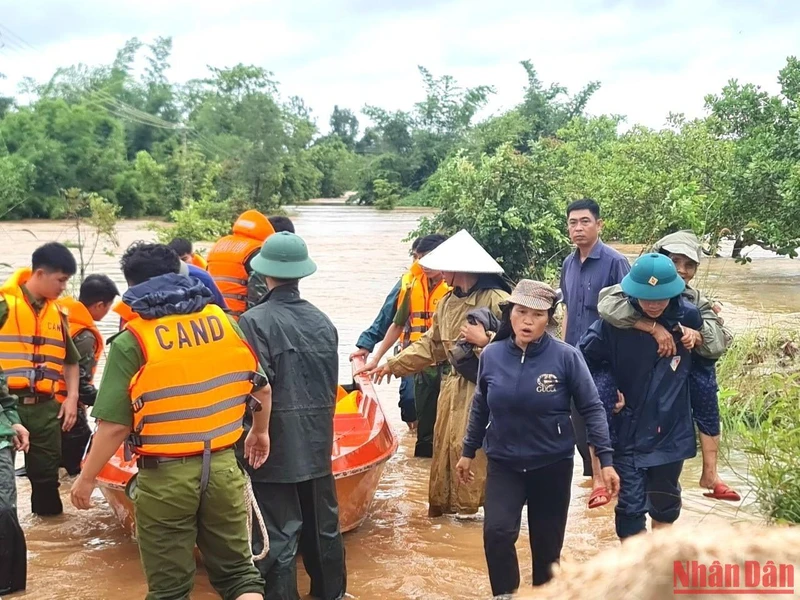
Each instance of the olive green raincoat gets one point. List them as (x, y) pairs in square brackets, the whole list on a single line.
[(446, 494)]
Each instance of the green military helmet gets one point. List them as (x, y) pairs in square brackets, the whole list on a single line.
[(283, 256), (653, 277)]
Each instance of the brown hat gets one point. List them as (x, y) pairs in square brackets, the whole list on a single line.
[(534, 294)]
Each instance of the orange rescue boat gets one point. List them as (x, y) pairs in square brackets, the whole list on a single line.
[(363, 441)]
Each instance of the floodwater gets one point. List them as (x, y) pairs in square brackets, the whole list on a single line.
[(399, 553)]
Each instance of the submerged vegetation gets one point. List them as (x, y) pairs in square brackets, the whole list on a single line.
[(759, 380)]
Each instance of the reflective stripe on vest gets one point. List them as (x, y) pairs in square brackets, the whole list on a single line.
[(190, 395), (422, 304), (32, 345), (226, 264)]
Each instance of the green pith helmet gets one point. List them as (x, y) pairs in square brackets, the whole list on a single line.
[(283, 256), (653, 277)]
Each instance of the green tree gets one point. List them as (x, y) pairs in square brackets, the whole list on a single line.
[(504, 202)]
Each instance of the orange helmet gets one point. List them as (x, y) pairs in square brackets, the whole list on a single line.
[(253, 224)]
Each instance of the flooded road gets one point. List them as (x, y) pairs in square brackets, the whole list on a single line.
[(399, 553)]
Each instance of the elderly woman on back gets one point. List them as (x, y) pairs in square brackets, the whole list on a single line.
[(521, 417)]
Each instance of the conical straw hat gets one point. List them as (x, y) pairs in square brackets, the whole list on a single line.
[(460, 254)]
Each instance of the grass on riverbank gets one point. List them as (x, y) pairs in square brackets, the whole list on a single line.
[(759, 380)]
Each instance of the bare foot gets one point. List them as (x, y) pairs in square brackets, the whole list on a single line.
[(709, 478)]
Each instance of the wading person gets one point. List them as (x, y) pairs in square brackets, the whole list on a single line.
[(379, 330), (653, 433), (520, 415), (40, 360), (475, 278), (97, 294), (295, 490), (229, 259), (13, 551), (420, 292), (709, 344), (183, 248), (175, 387), (590, 268)]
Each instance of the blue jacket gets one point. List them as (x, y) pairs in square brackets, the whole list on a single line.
[(521, 408), (207, 280), (655, 426), (377, 331)]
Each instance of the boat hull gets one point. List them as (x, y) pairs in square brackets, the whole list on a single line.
[(363, 443), (354, 492)]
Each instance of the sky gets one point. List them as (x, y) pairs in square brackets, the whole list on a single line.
[(652, 57)]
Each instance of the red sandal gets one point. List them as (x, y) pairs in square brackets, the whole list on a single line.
[(723, 491), (597, 493)]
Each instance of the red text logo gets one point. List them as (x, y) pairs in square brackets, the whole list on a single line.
[(754, 577)]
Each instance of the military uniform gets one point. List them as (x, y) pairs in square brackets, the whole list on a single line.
[(39, 415), (179, 501), (13, 552)]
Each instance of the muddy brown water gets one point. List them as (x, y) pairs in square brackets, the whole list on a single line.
[(398, 553)]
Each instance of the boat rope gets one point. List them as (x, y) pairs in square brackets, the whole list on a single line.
[(251, 506)]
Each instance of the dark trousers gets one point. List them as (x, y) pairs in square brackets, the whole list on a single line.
[(581, 442), (13, 551), (408, 412), (73, 443), (426, 398), (646, 490), (547, 492), (301, 517)]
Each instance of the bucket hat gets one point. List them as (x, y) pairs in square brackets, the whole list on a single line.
[(533, 294), (653, 277), (283, 256), (460, 254), (681, 242)]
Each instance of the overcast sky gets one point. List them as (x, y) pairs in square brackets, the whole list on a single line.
[(651, 56)]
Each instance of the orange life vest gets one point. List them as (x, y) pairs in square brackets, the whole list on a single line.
[(199, 261), (189, 397), (227, 258), (125, 313), (423, 303), (79, 321), (32, 345)]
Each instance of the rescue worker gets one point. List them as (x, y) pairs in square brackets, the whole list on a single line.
[(126, 314), (175, 387), (378, 332), (653, 432), (96, 296), (477, 282), (295, 490), (256, 288), (40, 360), (420, 292), (229, 259), (183, 248), (13, 552)]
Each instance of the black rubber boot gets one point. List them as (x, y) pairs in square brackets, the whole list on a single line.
[(45, 499), (13, 553)]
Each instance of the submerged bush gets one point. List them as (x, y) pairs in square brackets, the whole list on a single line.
[(759, 382)]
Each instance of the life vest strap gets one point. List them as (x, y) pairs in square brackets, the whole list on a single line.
[(204, 437), (35, 340), (35, 374), (194, 413), (192, 389), (34, 358), (240, 297), (230, 279)]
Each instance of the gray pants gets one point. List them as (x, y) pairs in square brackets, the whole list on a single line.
[(13, 552)]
